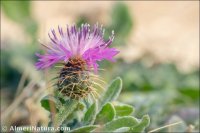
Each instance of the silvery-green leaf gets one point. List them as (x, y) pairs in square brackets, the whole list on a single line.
[(122, 130), (49, 102), (126, 121), (112, 91), (106, 114), (140, 127), (65, 111), (123, 109), (90, 115)]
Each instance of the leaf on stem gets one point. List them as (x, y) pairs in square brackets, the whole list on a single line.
[(106, 114), (123, 109), (90, 115), (48, 102), (126, 121), (113, 91)]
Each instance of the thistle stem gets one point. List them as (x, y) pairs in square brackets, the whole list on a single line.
[(65, 111)]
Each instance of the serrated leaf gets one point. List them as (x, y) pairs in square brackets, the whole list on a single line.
[(65, 111), (113, 91), (84, 129), (106, 114), (49, 102), (126, 121), (142, 125), (123, 110), (90, 115)]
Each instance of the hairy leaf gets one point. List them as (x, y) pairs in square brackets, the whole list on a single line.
[(123, 110), (90, 115), (142, 124), (65, 111), (113, 91), (122, 130), (50, 102), (126, 121), (106, 114)]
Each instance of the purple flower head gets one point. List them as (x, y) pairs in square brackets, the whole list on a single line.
[(83, 43)]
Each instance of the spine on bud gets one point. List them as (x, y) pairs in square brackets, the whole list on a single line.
[(74, 80)]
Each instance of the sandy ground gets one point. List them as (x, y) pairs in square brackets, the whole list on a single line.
[(168, 30)]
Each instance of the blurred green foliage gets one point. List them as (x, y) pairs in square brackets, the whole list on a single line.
[(160, 90), (16, 57), (20, 12), (9, 75), (121, 23)]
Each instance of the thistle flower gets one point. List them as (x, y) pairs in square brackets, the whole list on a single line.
[(79, 50)]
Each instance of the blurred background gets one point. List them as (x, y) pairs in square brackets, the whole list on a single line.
[(158, 60)]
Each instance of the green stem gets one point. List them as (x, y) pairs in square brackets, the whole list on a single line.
[(65, 111)]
